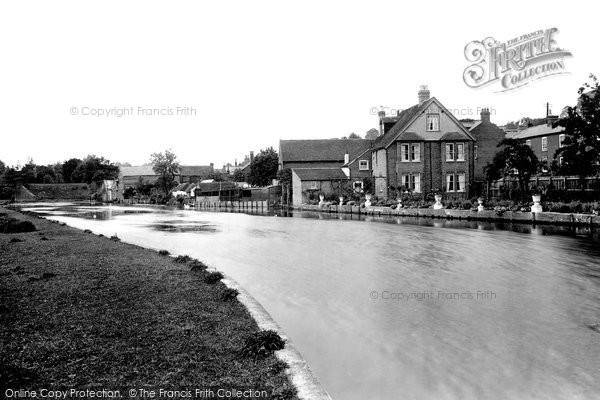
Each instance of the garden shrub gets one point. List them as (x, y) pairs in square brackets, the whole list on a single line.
[(213, 277), (262, 344)]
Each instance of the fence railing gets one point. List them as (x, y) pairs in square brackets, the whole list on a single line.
[(566, 183)]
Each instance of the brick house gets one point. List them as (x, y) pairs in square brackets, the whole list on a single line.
[(543, 139), (423, 148), (487, 135), (327, 161)]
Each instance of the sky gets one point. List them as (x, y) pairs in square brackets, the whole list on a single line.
[(215, 80)]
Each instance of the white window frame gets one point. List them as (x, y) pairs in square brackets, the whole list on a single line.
[(461, 182), (450, 187), (457, 153), (451, 153), (475, 153), (314, 185), (431, 118), (363, 165), (545, 143), (416, 183), (415, 156), (561, 139), (528, 143), (406, 181), (360, 184), (404, 152)]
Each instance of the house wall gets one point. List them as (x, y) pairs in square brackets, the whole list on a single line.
[(419, 125), (379, 170), (433, 166), (456, 167), (536, 146), (296, 190), (487, 146)]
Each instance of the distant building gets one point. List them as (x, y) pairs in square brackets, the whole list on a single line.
[(310, 182), (131, 176), (543, 139)]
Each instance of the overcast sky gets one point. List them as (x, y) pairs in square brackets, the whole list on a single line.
[(254, 71)]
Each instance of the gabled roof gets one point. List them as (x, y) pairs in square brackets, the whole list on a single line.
[(319, 174), (486, 129), (402, 120), (321, 149), (140, 170), (195, 170), (407, 117), (533, 131)]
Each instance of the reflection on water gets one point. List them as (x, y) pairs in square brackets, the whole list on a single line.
[(402, 307)]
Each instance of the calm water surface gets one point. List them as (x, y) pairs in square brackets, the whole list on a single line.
[(400, 308)]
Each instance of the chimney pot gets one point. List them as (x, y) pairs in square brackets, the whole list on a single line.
[(485, 115), (423, 94)]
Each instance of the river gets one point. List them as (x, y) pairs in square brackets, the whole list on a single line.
[(391, 308)]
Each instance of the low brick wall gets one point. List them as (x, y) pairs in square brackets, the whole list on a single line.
[(550, 218)]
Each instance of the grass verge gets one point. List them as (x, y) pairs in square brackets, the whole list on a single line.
[(84, 311)]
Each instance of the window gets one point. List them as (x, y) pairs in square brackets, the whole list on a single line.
[(404, 153), (456, 182), (460, 187), (415, 152), (406, 181), (412, 182), (416, 183), (450, 182), (358, 185), (561, 139), (475, 155), (528, 143), (363, 165), (560, 161), (433, 122), (449, 151), (544, 143), (410, 152), (313, 185), (460, 152), (544, 163)]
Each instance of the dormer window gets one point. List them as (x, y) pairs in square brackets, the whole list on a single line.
[(433, 122)]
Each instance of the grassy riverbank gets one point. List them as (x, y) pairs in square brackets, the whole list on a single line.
[(82, 311)]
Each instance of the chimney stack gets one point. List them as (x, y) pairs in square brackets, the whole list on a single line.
[(551, 119), (485, 115), (251, 156), (346, 158), (423, 94)]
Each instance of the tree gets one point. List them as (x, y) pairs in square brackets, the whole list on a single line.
[(354, 136), (264, 167), (515, 159), (94, 169), (238, 175), (216, 176), (68, 167), (581, 150), (167, 167), (2, 168)]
